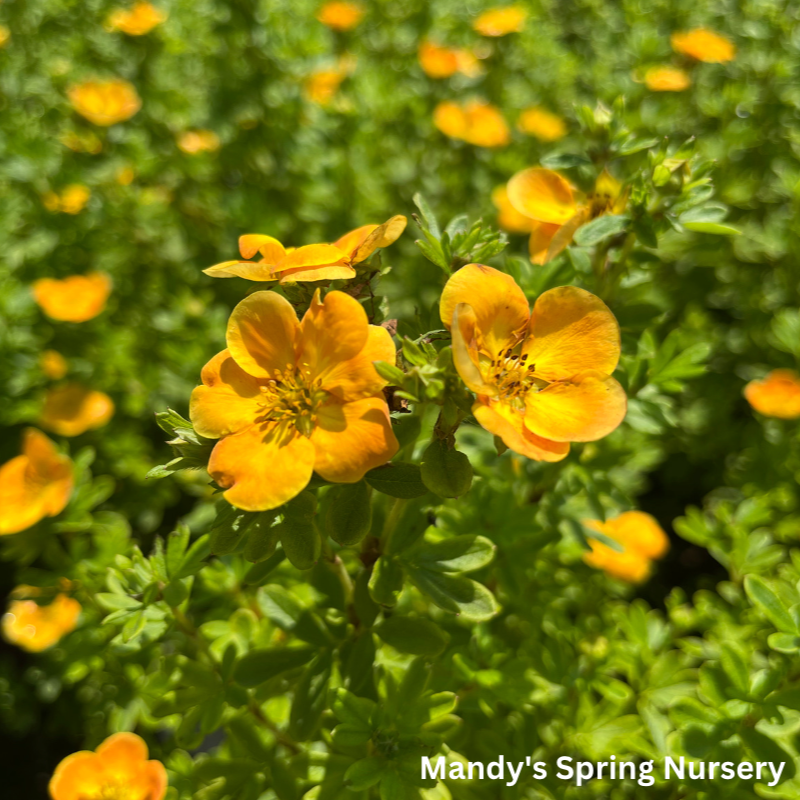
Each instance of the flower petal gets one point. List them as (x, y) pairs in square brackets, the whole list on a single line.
[(571, 331), (542, 234), (21, 506), (465, 350), (352, 240), (502, 421), (381, 236), (543, 195), (582, 409), (317, 274), (269, 247), (261, 334), (356, 378), (250, 270), (352, 438), (501, 309), (777, 395), (638, 532), (227, 400), (331, 331), (123, 754), (313, 255), (78, 776), (263, 466), (72, 409)]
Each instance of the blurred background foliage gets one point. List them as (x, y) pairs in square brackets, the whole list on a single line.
[(575, 662)]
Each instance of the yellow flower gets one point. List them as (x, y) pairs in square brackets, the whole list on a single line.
[(313, 262), (74, 299), (71, 201), (340, 16), (53, 364), (543, 124), (666, 79), (501, 21), (72, 409), (125, 176), (35, 628), (542, 379), (643, 541), (137, 21), (704, 45), (550, 201), (477, 122), (117, 770), (443, 62), (198, 141), (777, 395), (508, 218), (33, 485), (105, 102), (288, 398), (5, 35)]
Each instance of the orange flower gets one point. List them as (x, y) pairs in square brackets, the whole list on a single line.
[(550, 201), (666, 79), (71, 201), (105, 102), (704, 45), (33, 485), (35, 628), (508, 218), (117, 770), (74, 299), (125, 176), (544, 125), (288, 398), (53, 364), (313, 262), (500, 21), (778, 395), (198, 141), (542, 379), (443, 62), (477, 122), (5, 35), (72, 409), (137, 21), (642, 538), (321, 85), (340, 16)]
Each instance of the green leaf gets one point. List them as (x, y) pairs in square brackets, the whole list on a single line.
[(346, 735), (352, 709), (635, 144), (262, 537), (349, 515), (268, 662), (228, 529), (765, 749), (310, 699), (464, 553), (565, 161), (386, 581), (415, 635), (787, 643), (458, 594), (735, 666), (428, 217), (365, 773), (770, 604), (397, 479), (194, 558), (712, 227), (177, 542), (444, 470), (600, 228), (116, 602), (389, 372)]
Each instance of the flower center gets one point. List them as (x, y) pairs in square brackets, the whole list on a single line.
[(513, 376), (292, 397), (114, 791)]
